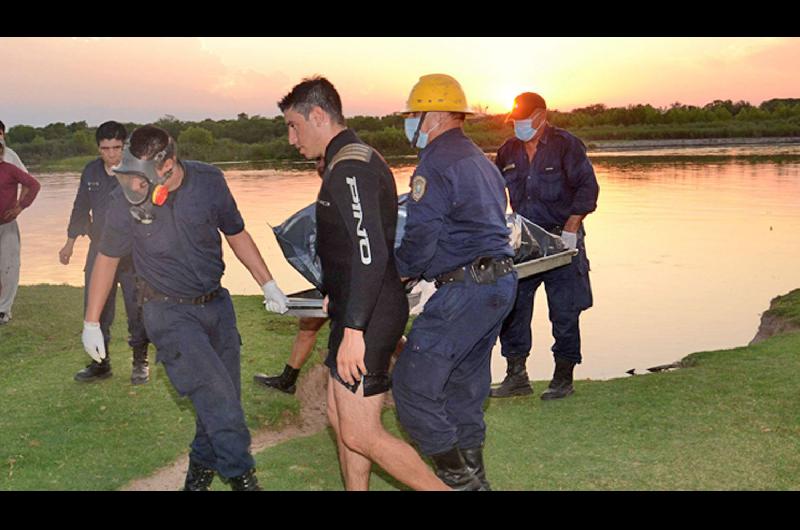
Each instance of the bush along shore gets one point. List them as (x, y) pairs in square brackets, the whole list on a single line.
[(727, 420), (61, 146)]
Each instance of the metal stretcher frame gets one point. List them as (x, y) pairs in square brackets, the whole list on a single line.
[(309, 303)]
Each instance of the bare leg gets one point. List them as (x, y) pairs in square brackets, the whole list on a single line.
[(355, 467), (362, 432), (305, 340)]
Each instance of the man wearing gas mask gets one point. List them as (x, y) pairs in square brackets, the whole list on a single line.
[(169, 213)]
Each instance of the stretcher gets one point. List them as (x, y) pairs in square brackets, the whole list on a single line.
[(308, 303)]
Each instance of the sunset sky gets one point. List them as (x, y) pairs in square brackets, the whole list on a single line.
[(66, 79)]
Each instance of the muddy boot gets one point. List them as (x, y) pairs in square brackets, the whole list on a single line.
[(284, 382), (140, 374), (516, 382), (198, 477), (453, 471), (474, 459), (95, 371), (245, 482), (561, 385)]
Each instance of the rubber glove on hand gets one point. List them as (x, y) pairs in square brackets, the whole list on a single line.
[(93, 341), (274, 299), (570, 239)]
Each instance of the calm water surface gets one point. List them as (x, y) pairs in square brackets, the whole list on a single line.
[(685, 255)]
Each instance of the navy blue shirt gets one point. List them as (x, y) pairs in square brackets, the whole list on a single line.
[(456, 211), (560, 182), (180, 252), (91, 202)]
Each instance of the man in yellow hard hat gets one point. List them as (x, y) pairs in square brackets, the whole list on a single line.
[(456, 236)]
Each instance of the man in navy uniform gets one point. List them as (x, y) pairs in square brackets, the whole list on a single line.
[(455, 235), (552, 183), (88, 218), (169, 213)]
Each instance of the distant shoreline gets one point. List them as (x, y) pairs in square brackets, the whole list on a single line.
[(597, 148), (605, 145)]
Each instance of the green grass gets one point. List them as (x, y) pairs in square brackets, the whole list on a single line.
[(729, 420), (58, 434), (74, 164), (786, 307)]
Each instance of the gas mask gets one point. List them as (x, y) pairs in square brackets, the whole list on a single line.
[(141, 184)]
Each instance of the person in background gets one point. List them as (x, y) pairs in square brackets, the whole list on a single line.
[(551, 182), (8, 154), (18, 189), (88, 218)]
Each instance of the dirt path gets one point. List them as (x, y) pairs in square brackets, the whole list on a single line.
[(311, 391)]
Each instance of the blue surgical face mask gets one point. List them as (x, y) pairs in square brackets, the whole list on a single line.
[(524, 129), (411, 125)]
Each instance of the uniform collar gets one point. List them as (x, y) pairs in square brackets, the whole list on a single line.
[(451, 133), (345, 137)]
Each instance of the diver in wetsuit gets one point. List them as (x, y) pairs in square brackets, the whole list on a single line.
[(356, 221)]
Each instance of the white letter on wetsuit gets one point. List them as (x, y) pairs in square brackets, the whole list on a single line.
[(361, 232)]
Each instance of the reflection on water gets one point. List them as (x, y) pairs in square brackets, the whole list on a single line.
[(685, 255)]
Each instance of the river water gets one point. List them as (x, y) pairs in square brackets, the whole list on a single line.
[(687, 248)]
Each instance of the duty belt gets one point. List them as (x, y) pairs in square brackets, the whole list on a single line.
[(148, 294), (483, 270)]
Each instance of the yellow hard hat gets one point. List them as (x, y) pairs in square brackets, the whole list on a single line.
[(437, 93)]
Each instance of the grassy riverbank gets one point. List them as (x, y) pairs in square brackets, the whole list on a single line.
[(729, 420), (58, 434)]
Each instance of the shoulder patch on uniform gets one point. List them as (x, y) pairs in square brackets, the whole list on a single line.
[(418, 186), (360, 152)]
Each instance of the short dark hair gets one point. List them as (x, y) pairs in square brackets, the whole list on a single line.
[(110, 130), (2, 127), (149, 140), (314, 91)]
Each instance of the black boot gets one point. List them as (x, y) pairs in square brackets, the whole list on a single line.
[(561, 385), (516, 382), (453, 471), (198, 477), (474, 459), (245, 482), (140, 374), (95, 371), (284, 382)]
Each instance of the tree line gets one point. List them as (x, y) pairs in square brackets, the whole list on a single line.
[(257, 138)]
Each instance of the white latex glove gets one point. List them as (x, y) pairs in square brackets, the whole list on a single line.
[(274, 299), (93, 341), (570, 239)]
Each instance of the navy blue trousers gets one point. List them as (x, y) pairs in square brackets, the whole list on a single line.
[(443, 375), (568, 293), (126, 279), (199, 347)]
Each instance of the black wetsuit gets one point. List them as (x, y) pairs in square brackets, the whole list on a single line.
[(356, 220)]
